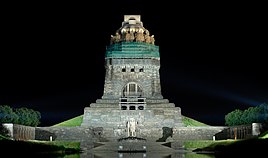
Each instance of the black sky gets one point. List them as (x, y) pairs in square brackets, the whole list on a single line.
[(212, 55)]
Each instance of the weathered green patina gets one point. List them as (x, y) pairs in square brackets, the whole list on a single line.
[(132, 50)]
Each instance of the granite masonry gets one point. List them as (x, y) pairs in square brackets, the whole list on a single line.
[(132, 103)]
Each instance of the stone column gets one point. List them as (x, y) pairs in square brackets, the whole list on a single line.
[(256, 129)]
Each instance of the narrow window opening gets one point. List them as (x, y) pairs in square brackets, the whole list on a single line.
[(132, 108), (132, 70), (123, 107), (141, 107), (141, 70), (124, 70)]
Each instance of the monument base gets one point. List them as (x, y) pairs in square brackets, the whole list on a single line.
[(146, 123)]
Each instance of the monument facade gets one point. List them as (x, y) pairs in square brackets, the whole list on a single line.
[(132, 110), (132, 104)]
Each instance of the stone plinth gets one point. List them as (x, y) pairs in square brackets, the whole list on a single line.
[(149, 121)]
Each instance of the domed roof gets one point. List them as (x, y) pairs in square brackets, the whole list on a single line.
[(132, 30)]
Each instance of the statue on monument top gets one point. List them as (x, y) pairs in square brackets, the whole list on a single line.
[(127, 37), (132, 30), (116, 38), (139, 37), (152, 39), (147, 38)]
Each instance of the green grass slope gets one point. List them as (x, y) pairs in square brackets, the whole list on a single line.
[(189, 122), (38, 149), (252, 147), (264, 135), (76, 121)]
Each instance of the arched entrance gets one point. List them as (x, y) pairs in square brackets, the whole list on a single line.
[(132, 89)]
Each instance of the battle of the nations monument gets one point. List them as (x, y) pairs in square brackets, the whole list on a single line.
[(132, 103), (132, 114)]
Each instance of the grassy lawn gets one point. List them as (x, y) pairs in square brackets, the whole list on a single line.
[(3, 137), (65, 144), (38, 148), (191, 122), (192, 155), (194, 144), (264, 135), (76, 121), (227, 148)]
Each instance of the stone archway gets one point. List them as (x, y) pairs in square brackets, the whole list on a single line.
[(132, 89)]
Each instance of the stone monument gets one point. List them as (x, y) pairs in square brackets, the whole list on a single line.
[(132, 103)]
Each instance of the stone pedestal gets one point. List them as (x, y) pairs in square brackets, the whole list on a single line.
[(149, 121)]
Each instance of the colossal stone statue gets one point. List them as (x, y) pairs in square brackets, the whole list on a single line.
[(128, 37), (139, 37), (147, 38), (152, 39), (117, 37)]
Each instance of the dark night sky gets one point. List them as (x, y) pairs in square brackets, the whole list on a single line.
[(212, 55)]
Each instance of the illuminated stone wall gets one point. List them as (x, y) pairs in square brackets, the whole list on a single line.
[(132, 63), (120, 72), (242, 131), (20, 132)]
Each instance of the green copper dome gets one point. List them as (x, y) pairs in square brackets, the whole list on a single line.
[(132, 40)]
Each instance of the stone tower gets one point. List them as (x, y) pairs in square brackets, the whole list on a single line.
[(132, 103), (132, 63)]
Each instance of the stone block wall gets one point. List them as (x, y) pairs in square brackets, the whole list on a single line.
[(148, 79), (20, 132), (95, 134), (165, 115), (242, 131), (181, 133), (64, 133), (196, 133)]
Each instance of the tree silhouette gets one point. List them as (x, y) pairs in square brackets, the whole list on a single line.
[(23, 116)]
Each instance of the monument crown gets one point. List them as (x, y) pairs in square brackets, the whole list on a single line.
[(132, 30), (132, 40)]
